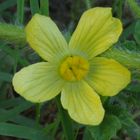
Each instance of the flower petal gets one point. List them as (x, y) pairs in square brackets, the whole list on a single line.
[(44, 37), (96, 32), (82, 103), (107, 76), (38, 82)]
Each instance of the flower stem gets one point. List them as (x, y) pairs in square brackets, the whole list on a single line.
[(65, 120), (44, 7), (20, 11), (34, 5)]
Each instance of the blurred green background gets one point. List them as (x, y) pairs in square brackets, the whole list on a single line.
[(18, 117)]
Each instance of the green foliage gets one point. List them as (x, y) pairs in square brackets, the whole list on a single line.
[(137, 32), (134, 7), (44, 7), (12, 33), (66, 121), (20, 11), (22, 132), (126, 120), (130, 59), (107, 129), (34, 6), (5, 77), (49, 121), (6, 4)]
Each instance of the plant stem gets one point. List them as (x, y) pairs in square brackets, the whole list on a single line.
[(34, 5), (20, 11), (44, 7), (65, 120)]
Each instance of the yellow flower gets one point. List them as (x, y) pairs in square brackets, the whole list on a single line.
[(74, 69)]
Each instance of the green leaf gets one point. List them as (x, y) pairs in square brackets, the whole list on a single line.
[(21, 120), (87, 135), (7, 77), (130, 125), (107, 129), (128, 31), (9, 103), (130, 45), (7, 129), (137, 32), (134, 7), (6, 4), (13, 34), (15, 54), (126, 120), (130, 59), (134, 88), (6, 115)]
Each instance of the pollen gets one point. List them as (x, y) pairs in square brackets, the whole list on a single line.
[(74, 68)]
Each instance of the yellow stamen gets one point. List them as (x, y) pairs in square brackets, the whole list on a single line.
[(74, 68)]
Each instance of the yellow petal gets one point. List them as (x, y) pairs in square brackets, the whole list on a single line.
[(82, 103), (97, 30), (107, 76), (38, 82), (44, 37)]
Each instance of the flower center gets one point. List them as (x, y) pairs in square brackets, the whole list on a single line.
[(74, 68)]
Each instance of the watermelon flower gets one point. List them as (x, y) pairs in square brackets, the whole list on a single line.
[(74, 69)]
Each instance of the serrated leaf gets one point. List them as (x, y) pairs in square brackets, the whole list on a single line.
[(107, 129)]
